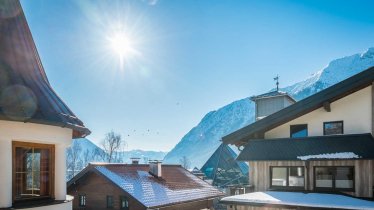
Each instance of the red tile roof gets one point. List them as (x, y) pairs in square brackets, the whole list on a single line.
[(176, 185)]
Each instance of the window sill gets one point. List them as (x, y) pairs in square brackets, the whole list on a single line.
[(286, 189)]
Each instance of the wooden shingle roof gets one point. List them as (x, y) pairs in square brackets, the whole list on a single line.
[(25, 92)]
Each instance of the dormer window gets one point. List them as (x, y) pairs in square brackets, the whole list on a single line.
[(297, 131), (333, 128), (33, 167)]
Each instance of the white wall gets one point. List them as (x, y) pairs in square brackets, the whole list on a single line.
[(354, 110), (36, 133)]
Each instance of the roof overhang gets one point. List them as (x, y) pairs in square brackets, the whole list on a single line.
[(24, 80), (335, 147)]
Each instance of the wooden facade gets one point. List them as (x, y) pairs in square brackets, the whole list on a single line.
[(96, 188), (260, 174)]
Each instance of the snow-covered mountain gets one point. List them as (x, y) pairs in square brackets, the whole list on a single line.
[(88, 148), (201, 142)]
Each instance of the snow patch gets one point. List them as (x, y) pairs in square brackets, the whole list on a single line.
[(316, 200), (338, 155)]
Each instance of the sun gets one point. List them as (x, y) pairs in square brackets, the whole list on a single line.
[(122, 45)]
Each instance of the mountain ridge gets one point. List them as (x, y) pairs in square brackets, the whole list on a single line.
[(203, 139)]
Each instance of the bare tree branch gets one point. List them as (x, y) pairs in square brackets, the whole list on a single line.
[(185, 162), (113, 146)]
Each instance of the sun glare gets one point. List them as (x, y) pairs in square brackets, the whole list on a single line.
[(123, 46)]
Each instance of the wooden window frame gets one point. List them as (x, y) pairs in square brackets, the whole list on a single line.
[(107, 202), (299, 125), (79, 200), (333, 188), (51, 166), (339, 121), (121, 198), (296, 188)]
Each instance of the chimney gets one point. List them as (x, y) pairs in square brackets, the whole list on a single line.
[(155, 168), (135, 161)]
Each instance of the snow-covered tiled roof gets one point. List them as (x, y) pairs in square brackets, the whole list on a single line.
[(176, 185), (299, 199)]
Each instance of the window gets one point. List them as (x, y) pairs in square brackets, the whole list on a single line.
[(332, 128), (334, 178), (33, 166), (279, 176), (124, 203), (297, 131), (287, 177), (82, 200), (109, 201)]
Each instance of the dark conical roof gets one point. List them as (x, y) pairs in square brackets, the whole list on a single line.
[(25, 93), (223, 168)]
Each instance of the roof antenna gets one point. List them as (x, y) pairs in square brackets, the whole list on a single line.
[(277, 83)]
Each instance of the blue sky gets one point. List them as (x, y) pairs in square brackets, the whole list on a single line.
[(191, 56)]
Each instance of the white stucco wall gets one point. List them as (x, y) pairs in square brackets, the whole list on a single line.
[(354, 110), (36, 133)]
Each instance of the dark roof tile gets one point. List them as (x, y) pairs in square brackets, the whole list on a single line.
[(25, 92), (355, 146)]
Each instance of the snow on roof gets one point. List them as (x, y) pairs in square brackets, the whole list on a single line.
[(176, 185), (337, 155), (317, 200)]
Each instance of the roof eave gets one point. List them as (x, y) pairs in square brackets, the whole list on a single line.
[(187, 201), (78, 131)]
